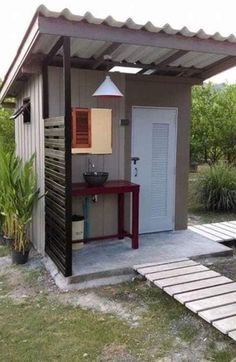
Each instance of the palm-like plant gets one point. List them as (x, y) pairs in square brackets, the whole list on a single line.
[(25, 197), (9, 168), (18, 195)]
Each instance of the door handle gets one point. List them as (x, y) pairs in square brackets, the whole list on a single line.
[(135, 172), (135, 159)]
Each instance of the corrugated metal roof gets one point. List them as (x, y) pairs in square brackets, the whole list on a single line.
[(196, 59), (130, 24), (93, 49), (87, 49), (167, 56)]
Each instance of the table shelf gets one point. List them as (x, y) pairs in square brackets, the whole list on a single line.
[(119, 187)]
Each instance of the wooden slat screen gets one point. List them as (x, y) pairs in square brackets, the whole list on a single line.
[(58, 186)]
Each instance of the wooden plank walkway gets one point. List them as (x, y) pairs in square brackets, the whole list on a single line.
[(220, 232), (203, 291)]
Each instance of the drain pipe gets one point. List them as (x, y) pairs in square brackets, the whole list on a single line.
[(86, 208)]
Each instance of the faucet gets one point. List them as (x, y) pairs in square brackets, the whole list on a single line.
[(91, 165)]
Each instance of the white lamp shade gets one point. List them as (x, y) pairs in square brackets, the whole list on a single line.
[(107, 89)]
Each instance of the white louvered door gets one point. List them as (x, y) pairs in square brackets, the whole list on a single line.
[(154, 143)]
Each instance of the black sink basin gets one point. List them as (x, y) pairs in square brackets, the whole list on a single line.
[(95, 178)]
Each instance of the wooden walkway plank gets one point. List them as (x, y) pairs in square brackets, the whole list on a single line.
[(176, 272), (226, 325), (199, 284), (228, 229), (214, 314), (203, 233), (220, 232), (203, 304), (220, 229), (228, 224), (205, 293), (165, 267), (185, 279), (159, 263), (213, 232)]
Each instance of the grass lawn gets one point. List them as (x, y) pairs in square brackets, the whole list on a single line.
[(40, 323), (124, 323), (4, 250)]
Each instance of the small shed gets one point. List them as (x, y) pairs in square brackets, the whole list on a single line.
[(140, 139)]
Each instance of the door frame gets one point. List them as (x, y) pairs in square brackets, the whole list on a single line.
[(175, 140)]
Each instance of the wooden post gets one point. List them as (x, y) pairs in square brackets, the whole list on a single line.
[(135, 218), (58, 218), (46, 62), (68, 180), (121, 210), (45, 91)]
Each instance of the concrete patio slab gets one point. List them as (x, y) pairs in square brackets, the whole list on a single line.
[(110, 258)]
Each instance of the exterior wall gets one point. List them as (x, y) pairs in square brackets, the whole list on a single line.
[(103, 214), (29, 140), (147, 91), (139, 91)]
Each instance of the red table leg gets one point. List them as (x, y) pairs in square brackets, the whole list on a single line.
[(121, 215), (135, 219)]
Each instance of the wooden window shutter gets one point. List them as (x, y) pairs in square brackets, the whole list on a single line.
[(81, 128)]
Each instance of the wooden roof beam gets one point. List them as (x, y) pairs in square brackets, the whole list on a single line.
[(108, 51), (56, 47), (83, 30), (79, 62), (172, 58), (217, 67)]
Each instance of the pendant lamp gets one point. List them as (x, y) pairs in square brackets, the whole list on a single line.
[(107, 89)]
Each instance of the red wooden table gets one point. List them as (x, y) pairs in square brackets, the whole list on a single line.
[(119, 187)]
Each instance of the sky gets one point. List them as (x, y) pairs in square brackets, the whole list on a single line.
[(211, 15)]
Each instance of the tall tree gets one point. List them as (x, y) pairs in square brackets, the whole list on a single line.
[(213, 123), (227, 114)]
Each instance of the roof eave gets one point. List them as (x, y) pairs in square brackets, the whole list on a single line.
[(84, 30), (60, 26), (23, 51)]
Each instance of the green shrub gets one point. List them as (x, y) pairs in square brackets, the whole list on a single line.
[(216, 188), (18, 195)]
